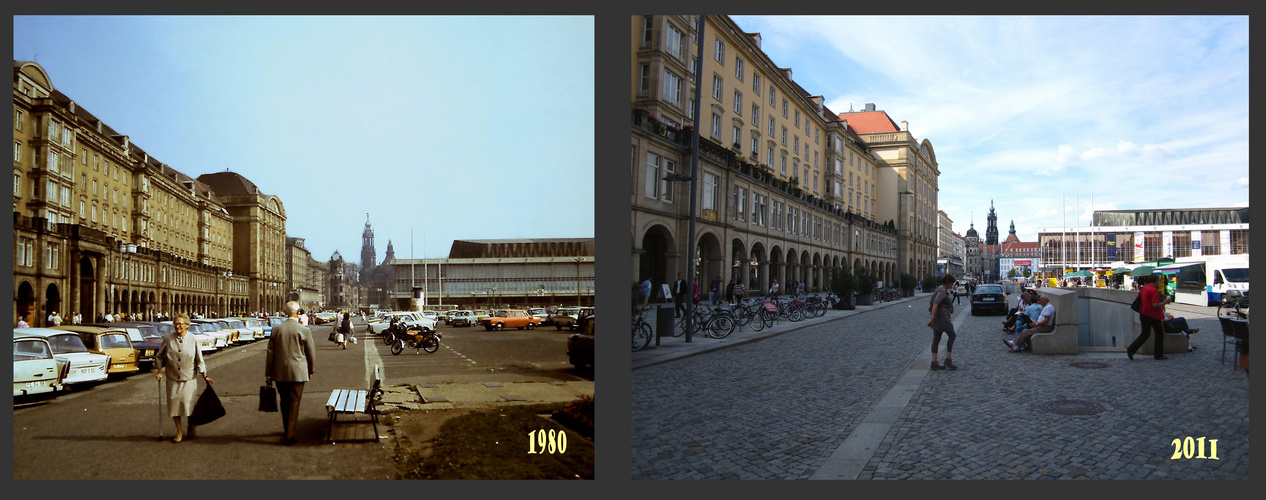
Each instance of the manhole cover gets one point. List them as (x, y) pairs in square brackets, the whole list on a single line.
[(1088, 364), (1072, 407)]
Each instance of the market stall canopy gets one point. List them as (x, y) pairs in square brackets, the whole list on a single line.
[(1141, 271), (1078, 274)]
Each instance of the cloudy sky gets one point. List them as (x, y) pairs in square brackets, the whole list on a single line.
[(454, 128), (1034, 112)]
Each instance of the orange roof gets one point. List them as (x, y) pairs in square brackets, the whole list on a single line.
[(870, 122)]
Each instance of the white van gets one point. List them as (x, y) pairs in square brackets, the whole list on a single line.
[(1202, 281)]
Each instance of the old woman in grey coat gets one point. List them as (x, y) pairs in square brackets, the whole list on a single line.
[(179, 359)]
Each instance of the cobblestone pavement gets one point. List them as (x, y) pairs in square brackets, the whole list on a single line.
[(779, 407)]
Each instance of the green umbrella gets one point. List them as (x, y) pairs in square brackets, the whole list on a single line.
[(1078, 274), (1141, 271)]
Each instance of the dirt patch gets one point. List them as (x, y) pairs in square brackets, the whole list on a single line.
[(414, 432)]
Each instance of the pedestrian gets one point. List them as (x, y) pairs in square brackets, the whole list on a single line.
[(109, 318), (289, 363), (179, 358), (738, 291), (23, 320), (345, 328), (646, 292), (303, 317), (679, 296), (1152, 315), (773, 289), (77, 319), (942, 309), (695, 287), (716, 290), (57, 319), (956, 296)]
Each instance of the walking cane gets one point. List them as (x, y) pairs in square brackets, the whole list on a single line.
[(160, 410)]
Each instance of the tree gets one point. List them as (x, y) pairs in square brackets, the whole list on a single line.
[(866, 281), (1027, 273), (843, 284), (1011, 273)]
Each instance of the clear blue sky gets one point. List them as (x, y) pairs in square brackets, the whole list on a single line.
[(454, 127), (1138, 112)]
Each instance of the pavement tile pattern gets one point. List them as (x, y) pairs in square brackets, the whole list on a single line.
[(777, 408)]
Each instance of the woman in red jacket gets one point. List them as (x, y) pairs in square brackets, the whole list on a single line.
[(1152, 315)]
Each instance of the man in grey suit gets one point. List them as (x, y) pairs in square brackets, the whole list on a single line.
[(290, 357)]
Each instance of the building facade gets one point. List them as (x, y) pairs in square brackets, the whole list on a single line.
[(1025, 258), (784, 188), (101, 226), (498, 274), (1144, 235)]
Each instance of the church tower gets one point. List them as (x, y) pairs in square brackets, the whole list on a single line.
[(991, 233), (367, 254), (391, 253)]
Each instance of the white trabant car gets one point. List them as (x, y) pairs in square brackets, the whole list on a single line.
[(412, 319), (209, 339), (223, 336), (34, 369), (461, 317), (73, 358), (245, 333)]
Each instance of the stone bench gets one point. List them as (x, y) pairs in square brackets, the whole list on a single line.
[(1063, 339)]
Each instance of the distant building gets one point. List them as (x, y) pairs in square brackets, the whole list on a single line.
[(1020, 256), (1144, 235), (498, 274)]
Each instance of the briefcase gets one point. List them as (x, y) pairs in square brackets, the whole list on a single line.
[(267, 398)]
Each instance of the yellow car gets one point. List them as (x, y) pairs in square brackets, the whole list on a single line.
[(111, 342)]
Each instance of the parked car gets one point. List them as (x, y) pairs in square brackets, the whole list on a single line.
[(35, 371), (568, 317), (73, 358), (539, 312), (432, 315), (110, 341), (480, 314), (989, 297), (510, 318), (145, 339), (245, 331), (272, 322), (322, 318), (580, 345), (212, 329), (412, 319), (461, 317)]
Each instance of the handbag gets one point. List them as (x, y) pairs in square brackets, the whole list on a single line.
[(1138, 302), (267, 398), (333, 336), (207, 409)]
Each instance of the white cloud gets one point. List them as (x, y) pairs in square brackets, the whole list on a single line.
[(1241, 183)]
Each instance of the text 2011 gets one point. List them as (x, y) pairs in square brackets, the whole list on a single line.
[(551, 441), (1194, 448)]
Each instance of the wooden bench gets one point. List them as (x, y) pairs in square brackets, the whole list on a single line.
[(353, 402)]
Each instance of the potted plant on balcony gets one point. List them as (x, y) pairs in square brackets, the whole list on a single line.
[(907, 282), (866, 282), (843, 283)]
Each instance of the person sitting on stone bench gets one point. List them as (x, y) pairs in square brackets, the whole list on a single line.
[(1044, 324), (1179, 325), (1025, 312)]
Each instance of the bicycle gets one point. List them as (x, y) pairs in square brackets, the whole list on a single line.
[(755, 314), (715, 322), (641, 331)]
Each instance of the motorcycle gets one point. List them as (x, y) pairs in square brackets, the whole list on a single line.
[(423, 340)]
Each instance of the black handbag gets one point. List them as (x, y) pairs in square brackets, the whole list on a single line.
[(207, 409), (1138, 302), (267, 398)]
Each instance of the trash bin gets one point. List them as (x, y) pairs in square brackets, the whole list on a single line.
[(664, 317)]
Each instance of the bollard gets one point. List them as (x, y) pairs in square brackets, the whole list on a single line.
[(664, 318)]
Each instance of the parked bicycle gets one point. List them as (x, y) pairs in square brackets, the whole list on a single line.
[(641, 330), (714, 322)]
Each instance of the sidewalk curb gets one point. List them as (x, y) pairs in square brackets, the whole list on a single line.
[(763, 336)]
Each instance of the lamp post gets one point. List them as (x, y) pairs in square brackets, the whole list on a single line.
[(578, 282)]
